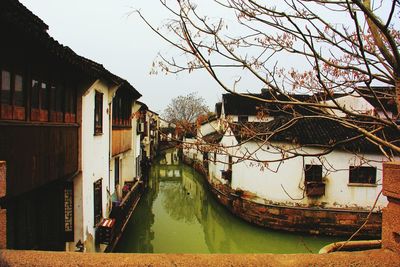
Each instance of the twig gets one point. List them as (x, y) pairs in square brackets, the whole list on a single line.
[(362, 226)]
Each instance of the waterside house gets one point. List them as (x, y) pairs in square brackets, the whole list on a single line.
[(249, 157), (68, 138)]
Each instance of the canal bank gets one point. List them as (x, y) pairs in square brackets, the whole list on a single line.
[(279, 216), (178, 214)]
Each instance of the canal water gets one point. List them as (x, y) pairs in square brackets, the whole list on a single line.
[(179, 215)]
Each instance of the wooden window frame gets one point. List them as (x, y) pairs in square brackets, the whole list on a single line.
[(357, 175), (313, 173), (97, 202), (98, 113), (10, 110), (70, 104), (117, 172), (122, 107)]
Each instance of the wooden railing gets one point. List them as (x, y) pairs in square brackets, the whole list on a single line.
[(123, 210)]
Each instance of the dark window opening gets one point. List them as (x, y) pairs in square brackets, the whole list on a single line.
[(98, 113), (19, 91), (122, 107), (116, 172), (59, 99), (5, 87), (363, 175), (70, 105), (97, 201), (44, 101), (35, 94), (313, 173)]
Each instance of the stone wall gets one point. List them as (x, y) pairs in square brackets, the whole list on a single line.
[(298, 219), (334, 222)]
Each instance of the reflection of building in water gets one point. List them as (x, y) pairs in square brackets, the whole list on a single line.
[(197, 194), (169, 157), (169, 167)]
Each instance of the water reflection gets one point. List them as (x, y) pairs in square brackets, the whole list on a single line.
[(179, 215)]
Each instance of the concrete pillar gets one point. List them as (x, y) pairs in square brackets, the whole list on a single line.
[(3, 212), (391, 214)]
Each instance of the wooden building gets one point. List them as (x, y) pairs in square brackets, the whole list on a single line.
[(48, 97)]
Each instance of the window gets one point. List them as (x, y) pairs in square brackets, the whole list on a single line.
[(12, 96), (122, 107), (18, 91), (5, 87), (56, 101), (39, 101), (363, 175), (243, 118), (69, 211), (116, 171), (70, 105), (44, 101), (98, 113), (313, 173), (97, 201), (35, 94)]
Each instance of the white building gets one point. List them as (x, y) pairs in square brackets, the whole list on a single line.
[(108, 156), (282, 166)]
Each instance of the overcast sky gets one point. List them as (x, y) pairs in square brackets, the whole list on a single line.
[(101, 30)]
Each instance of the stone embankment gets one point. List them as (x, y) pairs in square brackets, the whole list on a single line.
[(325, 221)]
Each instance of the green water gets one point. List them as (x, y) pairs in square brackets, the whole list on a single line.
[(179, 215)]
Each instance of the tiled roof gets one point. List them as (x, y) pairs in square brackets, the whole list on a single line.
[(213, 138), (235, 104), (16, 17), (309, 132)]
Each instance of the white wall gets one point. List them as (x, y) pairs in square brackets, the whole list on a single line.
[(270, 181), (94, 158), (208, 128), (354, 103), (235, 118)]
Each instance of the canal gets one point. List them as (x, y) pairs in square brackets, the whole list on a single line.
[(179, 215)]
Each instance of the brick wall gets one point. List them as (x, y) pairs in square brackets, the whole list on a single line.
[(3, 212), (391, 214), (297, 219)]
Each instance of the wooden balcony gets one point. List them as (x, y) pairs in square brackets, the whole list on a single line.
[(121, 140)]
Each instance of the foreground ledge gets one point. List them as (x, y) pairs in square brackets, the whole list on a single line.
[(38, 258)]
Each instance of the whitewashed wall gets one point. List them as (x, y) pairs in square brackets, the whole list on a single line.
[(208, 128), (94, 163), (353, 102), (270, 181)]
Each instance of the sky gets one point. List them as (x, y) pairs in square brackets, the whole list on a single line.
[(107, 32), (103, 31)]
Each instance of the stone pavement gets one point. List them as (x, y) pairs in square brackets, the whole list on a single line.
[(37, 258)]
